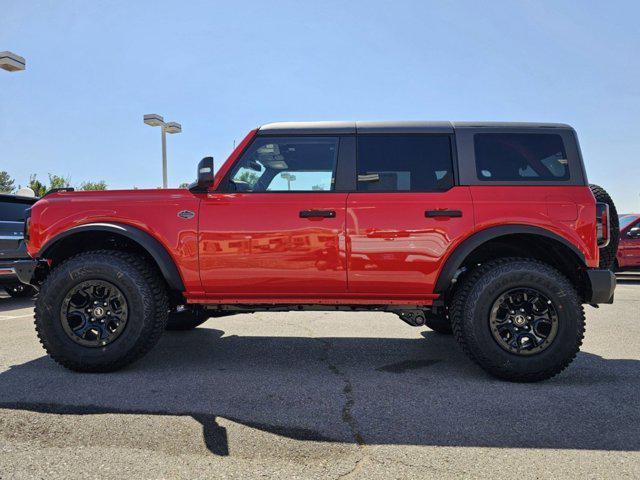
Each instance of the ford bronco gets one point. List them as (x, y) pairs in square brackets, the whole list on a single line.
[(488, 231)]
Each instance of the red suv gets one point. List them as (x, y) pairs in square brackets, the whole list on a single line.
[(486, 230), (628, 257)]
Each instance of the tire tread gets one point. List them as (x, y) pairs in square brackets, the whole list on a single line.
[(159, 297), (466, 339)]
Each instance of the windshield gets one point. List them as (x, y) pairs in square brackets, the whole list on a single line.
[(625, 220)]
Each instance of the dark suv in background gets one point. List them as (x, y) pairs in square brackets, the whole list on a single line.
[(12, 247)]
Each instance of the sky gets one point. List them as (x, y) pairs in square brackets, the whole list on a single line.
[(223, 68)]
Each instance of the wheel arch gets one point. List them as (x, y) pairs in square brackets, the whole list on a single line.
[(66, 242), (513, 235)]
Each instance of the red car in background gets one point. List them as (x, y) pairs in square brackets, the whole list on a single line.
[(628, 257)]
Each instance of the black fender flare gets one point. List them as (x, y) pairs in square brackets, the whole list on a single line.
[(462, 251), (157, 251)]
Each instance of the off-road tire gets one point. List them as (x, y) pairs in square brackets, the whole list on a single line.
[(608, 253), (188, 319), (470, 312), (148, 308), (20, 291), (439, 323)]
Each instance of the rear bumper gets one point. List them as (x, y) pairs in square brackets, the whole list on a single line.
[(16, 271), (603, 285)]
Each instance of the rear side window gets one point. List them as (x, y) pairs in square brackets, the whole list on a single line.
[(526, 157), (404, 163)]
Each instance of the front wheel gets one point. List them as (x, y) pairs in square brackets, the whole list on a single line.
[(519, 319), (101, 310)]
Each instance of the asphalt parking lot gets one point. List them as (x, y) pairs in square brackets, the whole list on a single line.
[(320, 395)]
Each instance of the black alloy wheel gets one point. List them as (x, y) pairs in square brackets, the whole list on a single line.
[(523, 321), (94, 313)]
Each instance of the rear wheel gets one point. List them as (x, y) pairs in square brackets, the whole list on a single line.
[(608, 253), (101, 310), (519, 319)]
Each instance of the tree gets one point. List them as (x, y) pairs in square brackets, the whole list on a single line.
[(56, 181), (101, 185), (37, 186), (6, 182), (249, 177), (183, 185)]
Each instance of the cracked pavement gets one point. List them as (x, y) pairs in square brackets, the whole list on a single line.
[(320, 395)]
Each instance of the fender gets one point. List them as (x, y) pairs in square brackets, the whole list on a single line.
[(462, 251), (157, 251)]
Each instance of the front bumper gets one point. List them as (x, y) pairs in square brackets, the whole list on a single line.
[(14, 271), (603, 285)]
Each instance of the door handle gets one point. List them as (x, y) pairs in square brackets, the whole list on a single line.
[(442, 213), (317, 213)]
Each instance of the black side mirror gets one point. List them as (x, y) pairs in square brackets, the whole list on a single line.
[(205, 176), (634, 232)]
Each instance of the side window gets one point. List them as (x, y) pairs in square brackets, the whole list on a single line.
[(281, 164), (520, 157), (404, 163)]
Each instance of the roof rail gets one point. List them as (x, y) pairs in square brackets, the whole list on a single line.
[(59, 190)]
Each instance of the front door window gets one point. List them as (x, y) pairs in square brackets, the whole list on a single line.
[(287, 164)]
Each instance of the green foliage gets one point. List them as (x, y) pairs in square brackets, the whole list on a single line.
[(56, 181), (183, 185), (249, 177), (37, 186), (6, 182), (101, 185)]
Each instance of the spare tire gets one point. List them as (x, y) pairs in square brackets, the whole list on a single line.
[(608, 252)]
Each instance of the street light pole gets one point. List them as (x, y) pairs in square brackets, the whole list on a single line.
[(155, 120), (164, 158)]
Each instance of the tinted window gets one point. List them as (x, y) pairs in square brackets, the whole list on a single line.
[(12, 211), (418, 163), (277, 164), (520, 157)]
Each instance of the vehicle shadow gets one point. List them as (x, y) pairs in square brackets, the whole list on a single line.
[(365, 390), (8, 303)]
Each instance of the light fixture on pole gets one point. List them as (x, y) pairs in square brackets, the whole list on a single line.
[(289, 177), (11, 62), (155, 120)]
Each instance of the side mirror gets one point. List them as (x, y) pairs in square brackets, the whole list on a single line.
[(205, 176), (634, 232)]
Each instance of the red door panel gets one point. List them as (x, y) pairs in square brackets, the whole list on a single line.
[(257, 244), (394, 248)]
